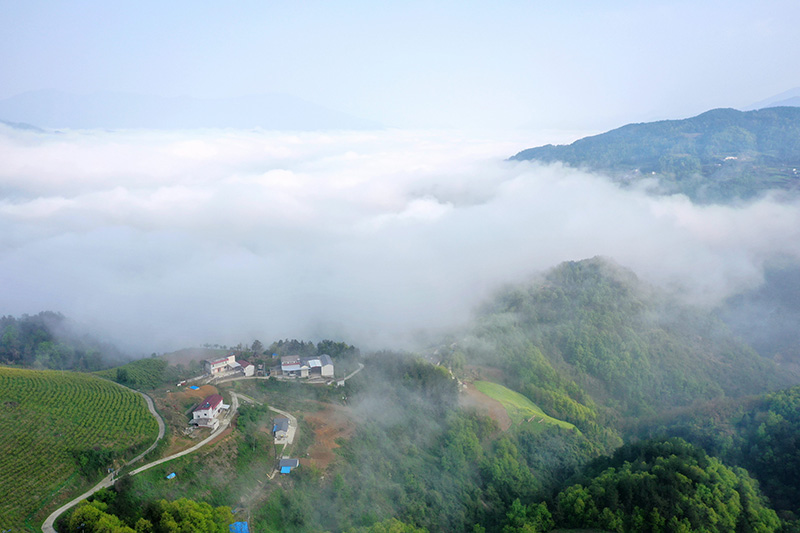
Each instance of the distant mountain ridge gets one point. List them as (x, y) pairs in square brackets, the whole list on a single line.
[(55, 109), (716, 156)]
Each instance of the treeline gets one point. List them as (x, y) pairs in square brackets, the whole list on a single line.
[(335, 349), (46, 341)]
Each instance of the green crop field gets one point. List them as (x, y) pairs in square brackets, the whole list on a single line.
[(48, 421), (145, 373), (519, 408)]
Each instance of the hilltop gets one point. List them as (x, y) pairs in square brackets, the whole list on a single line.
[(718, 156), (590, 333)]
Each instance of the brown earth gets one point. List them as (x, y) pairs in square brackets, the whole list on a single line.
[(330, 423), (471, 397), (173, 410)]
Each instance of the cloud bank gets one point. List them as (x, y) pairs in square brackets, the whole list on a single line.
[(161, 240)]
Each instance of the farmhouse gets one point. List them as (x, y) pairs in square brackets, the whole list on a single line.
[(248, 369), (205, 414), (286, 465), (303, 367), (217, 366), (280, 427), (227, 365)]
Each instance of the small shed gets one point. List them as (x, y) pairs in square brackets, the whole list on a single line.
[(286, 465)]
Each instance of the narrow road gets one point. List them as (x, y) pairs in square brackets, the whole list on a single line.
[(222, 427), (108, 481), (47, 526), (293, 427)]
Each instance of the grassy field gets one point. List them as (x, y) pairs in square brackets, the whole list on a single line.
[(519, 408), (50, 421)]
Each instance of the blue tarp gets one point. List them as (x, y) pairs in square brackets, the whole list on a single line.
[(239, 527), (286, 469), (172, 475), (194, 387)]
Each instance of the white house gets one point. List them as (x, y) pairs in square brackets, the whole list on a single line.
[(248, 369), (205, 414), (216, 366), (303, 367)]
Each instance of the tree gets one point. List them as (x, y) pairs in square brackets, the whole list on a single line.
[(257, 348)]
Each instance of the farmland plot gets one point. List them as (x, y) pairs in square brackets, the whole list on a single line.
[(55, 426)]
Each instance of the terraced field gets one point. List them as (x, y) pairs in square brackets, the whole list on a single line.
[(48, 421)]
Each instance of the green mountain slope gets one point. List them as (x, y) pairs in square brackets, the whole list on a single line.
[(591, 338), (59, 427), (716, 156), (761, 434)]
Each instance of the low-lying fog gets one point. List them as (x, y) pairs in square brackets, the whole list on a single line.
[(161, 240)]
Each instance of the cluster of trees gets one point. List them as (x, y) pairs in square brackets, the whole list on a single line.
[(336, 349), (45, 341), (760, 434), (716, 156), (163, 516), (664, 486)]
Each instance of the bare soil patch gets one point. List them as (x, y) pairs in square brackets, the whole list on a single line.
[(471, 397), (330, 423)]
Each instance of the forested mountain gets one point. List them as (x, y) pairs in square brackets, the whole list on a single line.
[(47, 340), (590, 334), (717, 156)]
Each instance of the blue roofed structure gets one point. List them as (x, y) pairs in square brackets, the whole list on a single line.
[(286, 465), (239, 527)]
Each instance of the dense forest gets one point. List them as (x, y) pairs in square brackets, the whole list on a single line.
[(47, 340), (718, 156)]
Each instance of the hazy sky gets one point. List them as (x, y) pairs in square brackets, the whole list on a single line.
[(164, 239), (531, 65)]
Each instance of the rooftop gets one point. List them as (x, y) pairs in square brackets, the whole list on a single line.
[(211, 402)]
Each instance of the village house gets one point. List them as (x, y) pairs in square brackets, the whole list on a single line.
[(248, 369), (304, 367), (286, 465), (227, 365), (217, 366), (280, 428), (205, 414)]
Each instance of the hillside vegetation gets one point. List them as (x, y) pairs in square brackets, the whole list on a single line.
[(59, 428), (716, 156), (590, 341), (46, 340)]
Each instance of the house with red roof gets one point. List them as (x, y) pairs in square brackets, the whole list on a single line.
[(205, 414)]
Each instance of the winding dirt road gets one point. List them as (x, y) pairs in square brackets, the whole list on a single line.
[(107, 481)]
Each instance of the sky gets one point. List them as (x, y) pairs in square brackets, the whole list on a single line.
[(168, 239), (470, 65), (162, 239)]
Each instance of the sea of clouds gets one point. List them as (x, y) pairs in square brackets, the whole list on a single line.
[(166, 239)]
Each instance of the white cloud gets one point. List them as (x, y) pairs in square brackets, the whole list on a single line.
[(164, 239)]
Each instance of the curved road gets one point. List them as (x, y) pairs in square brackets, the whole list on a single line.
[(107, 481)]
